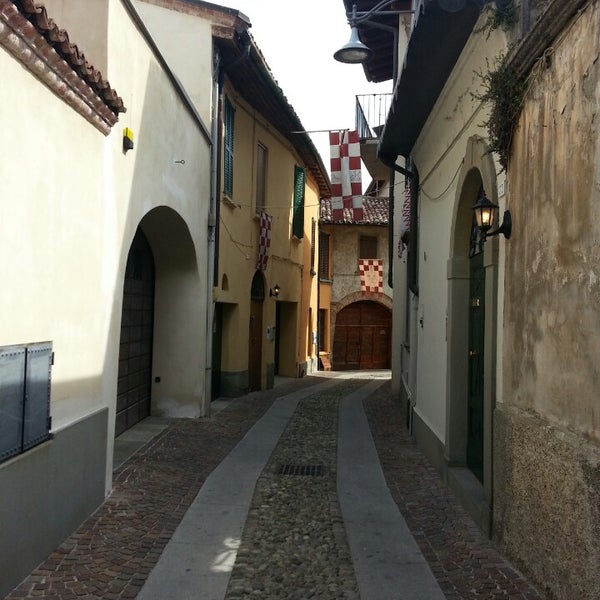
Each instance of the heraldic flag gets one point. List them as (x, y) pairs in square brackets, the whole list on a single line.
[(404, 228), (264, 240), (346, 176), (371, 276)]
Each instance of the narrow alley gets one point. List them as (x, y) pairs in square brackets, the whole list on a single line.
[(312, 489)]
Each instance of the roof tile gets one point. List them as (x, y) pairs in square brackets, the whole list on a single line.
[(58, 38), (375, 212)]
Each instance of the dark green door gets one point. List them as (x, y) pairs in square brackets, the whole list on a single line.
[(476, 350)]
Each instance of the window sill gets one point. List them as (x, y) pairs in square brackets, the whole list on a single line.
[(229, 202)]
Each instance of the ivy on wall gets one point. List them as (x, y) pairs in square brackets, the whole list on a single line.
[(504, 14), (504, 91)]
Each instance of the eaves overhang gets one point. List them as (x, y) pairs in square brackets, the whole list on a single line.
[(434, 47), (246, 68)]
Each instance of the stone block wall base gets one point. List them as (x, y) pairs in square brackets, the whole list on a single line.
[(547, 503)]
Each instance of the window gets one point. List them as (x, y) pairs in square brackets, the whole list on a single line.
[(261, 176), (367, 247), (24, 397), (228, 118), (324, 256), (298, 216)]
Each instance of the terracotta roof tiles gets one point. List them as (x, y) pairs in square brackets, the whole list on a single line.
[(375, 212), (36, 14)]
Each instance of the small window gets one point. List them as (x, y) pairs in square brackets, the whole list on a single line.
[(261, 177), (324, 272), (298, 216), (367, 247), (228, 119)]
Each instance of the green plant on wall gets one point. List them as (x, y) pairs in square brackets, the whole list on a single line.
[(504, 14), (504, 91)]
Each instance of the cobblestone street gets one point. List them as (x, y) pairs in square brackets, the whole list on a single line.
[(294, 543)]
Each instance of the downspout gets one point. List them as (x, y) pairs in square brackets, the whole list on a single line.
[(213, 230)]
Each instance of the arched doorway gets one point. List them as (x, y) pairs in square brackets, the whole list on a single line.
[(162, 363), (257, 297), (362, 338), (471, 334), (135, 350)]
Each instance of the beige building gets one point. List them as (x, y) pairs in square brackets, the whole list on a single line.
[(495, 340), (104, 311)]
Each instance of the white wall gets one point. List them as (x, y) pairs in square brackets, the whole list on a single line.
[(439, 154)]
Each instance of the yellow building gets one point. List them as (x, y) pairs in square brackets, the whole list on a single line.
[(272, 180)]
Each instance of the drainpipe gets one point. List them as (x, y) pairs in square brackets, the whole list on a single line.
[(213, 212)]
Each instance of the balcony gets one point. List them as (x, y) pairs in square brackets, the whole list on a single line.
[(371, 114)]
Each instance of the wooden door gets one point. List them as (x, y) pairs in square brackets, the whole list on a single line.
[(135, 351), (255, 345), (362, 338)]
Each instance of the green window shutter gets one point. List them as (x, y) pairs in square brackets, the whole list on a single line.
[(298, 218), (228, 150)]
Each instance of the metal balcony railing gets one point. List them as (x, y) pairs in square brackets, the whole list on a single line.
[(371, 113)]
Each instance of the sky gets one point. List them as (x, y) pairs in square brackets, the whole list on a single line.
[(298, 40)]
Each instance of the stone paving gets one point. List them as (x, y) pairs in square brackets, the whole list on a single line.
[(294, 543), (294, 527), (111, 555), (465, 563)]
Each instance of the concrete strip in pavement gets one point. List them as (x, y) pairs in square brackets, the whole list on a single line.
[(198, 560), (387, 561)]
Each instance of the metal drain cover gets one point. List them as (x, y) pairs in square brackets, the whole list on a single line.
[(303, 470)]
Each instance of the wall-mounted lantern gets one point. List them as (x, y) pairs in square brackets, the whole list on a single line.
[(485, 212), (274, 291)]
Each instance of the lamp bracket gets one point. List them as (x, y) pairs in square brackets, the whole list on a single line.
[(505, 228), (356, 18)]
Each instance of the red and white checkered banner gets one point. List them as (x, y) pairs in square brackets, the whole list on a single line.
[(404, 219), (371, 276), (264, 240), (346, 176)]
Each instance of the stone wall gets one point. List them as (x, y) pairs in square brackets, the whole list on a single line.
[(547, 422), (547, 504)]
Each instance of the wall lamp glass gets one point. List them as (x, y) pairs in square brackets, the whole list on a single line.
[(354, 51), (274, 291), (485, 211)]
